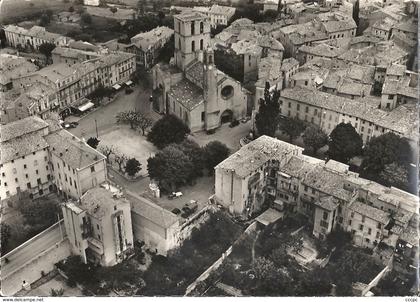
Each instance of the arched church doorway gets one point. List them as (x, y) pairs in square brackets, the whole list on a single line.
[(226, 116)]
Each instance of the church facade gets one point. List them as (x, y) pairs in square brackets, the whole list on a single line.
[(193, 88)]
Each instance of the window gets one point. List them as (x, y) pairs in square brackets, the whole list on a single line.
[(363, 218), (92, 169), (325, 215), (379, 225), (340, 219), (36, 172), (201, 28), (352, 215), (350, 222), (315, 112), (369, 231), (289, 105), (367, 240), (361, 227), (193, 46), (5, 184), (390, 97), (193, 28), (16, 180), (203, 116), (298, 107), (38, 181), (28, 185), (306, 189), (97, 226), (179, 43), (24, 166), (323, 224), (201, 44)]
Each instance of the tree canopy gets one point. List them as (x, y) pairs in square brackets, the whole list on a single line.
[(344, 143), (266, 119), (292, 126), (387, 159), (214, 153), (314, 138), (93, 142), (46, 49), (135, 119), (5, 236), (39, 214), (132, 166), (169, 129), (170, 167)]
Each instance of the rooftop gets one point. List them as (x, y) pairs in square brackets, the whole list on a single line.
[(56, 72), (21, 146), (339, 25), (187, 93), (396, 69), (151, 211), (251, 156), (328, 203), (411, 236), (408, 26), (21, 127), (322, 50), (76, 153), (370, 212), (288, 64), (99, 202), (190, 16), (149, 39)]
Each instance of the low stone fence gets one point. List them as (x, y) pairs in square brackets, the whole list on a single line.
[(35, 268)]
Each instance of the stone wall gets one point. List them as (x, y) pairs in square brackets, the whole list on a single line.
[(31, 271)]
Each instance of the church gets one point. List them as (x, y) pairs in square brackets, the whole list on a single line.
[(191, 87)]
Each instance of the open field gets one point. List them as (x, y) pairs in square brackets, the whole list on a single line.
[(10, 10)]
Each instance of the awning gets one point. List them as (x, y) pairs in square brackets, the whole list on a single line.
[(128, 83), (85, 106), (116, 87)]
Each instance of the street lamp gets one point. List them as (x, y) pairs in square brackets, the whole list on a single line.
[(96, 127)]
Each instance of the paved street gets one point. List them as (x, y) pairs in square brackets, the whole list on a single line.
[(105, 116), (37, 246)]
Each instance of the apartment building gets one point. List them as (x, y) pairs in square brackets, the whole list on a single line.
[(147, 45), (11, 68), (219, 15), (74, 82), (327, 111), (40, 157), (17, 36), (24, 160), (75, 166), (72, 56), (98, 226), (331, 196)]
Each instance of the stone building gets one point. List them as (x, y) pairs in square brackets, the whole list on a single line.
[(194, 89), (98, 226), (269, 172)]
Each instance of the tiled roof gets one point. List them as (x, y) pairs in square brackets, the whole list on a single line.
[(76, 153), (288, 64), (187, 94), (370, 212), (411, 236), (251, 156), (57, 72), (339, 25), (189, 16), (246, 47), (12, 67), (270, 43), (396, 69), (322, 50), (408, 26), (21, 127), (21, 146), (151, 211), (149, 39)]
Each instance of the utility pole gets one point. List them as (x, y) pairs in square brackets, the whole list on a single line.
[(96, 127)]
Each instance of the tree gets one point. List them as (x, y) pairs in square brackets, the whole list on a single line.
[(107, 151), (267, 116), (39, 214), (383, 150), (169, 129), (113, 9), (214, 153), (46, 49), (56, 292), (44, 20), (314, 137), (167, 51), (100, 92), (5, 236), (71, 9), (195, 154), (314, 283), (128, 117), (143, 123), (140, 7), (292, 126), (85, 18), (93, 142), (120, 159), (171, 167), (356, 12), (344, 143), (132, 167), (395, 175)]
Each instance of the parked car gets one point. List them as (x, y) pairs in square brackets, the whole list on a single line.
[(174, 195), (128, 90), (176, 211)]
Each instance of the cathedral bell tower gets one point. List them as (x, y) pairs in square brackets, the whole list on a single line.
[(192, 34)]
